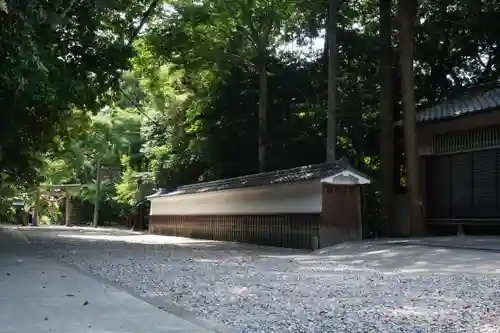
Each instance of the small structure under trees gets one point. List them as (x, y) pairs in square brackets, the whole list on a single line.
[(57, 191), (304, 207)]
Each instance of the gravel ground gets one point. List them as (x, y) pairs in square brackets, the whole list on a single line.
[(357, 288)]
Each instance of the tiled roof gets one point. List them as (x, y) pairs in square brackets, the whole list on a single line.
[(308, 172), (481, 101)]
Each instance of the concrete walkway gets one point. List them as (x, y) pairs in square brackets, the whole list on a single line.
[(39, 295)]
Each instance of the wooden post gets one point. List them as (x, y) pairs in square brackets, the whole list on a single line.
[(36, 213), (68, 210), (97, 193), (141, 217), (140, 225)]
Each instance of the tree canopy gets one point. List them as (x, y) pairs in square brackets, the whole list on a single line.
[(203, 90)]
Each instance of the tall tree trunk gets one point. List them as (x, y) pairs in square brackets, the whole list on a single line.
[(407, 13), (262, 112), (326, 49), (331, 125), (386, 119), (324, 64)]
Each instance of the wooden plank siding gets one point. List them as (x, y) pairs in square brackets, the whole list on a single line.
[(462, 173), (291, 231)]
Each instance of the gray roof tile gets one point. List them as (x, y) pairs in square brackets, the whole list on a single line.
[(465, 105), (316, 171)]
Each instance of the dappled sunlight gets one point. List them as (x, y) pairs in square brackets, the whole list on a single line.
[(346, 247), (293, 256), (87, 229), (422, 311), (404, 283), (412, 270), (358, 261), (241, 291), (370, 253), (374, 257), (139, 239), (404, 259), (389, 254), (207, 260), (488, 243)]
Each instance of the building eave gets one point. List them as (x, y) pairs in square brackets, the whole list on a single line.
[(318, 172), (469, 104), (347, 177)]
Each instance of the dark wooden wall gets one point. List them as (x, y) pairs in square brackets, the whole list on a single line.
[(341, 216), (291, 231), (341, 206)]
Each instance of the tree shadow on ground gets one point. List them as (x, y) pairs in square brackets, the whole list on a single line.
[(211, 275), (385, 256), (406, 259)]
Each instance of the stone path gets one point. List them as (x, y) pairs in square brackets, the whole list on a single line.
[(39, 294), (357, 287)]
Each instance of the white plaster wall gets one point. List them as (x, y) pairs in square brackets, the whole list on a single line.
[(301, 197)]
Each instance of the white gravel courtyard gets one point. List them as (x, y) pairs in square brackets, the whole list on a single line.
[(355, 288)]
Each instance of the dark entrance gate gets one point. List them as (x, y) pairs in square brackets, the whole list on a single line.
[(463, 178)]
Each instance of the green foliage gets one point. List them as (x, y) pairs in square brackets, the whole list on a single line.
[(187, 109), (215, 43), (58, 56), (127, 190), (108, 136)]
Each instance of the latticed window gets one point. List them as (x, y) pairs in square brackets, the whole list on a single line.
[(484, 138)]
